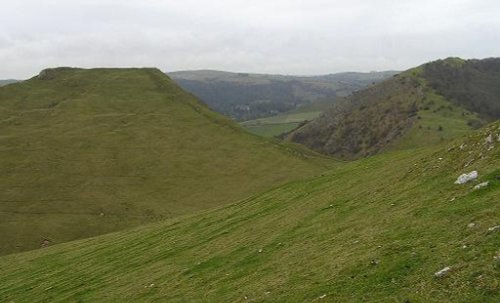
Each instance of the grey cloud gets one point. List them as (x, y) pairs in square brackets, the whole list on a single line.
[(291, 37)]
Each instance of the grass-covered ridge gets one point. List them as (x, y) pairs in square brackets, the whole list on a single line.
[(85, 152), (374, 230)]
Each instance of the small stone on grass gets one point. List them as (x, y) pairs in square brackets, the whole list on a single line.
[(443, 272), (481, 185)]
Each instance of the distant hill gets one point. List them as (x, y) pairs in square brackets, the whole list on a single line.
[(245, 96), (85, 152), (423, 106), (8, 81)]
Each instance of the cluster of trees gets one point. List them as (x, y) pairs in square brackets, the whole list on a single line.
[(473, 84)]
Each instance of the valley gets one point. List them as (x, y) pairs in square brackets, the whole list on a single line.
[(119, 186), (246, 96), (250, 151)]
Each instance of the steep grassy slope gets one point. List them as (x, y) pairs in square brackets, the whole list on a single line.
[(244, 96), (84, 152), (374, 230), (423, 106)]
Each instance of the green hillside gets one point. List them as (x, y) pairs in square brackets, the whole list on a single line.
[(246, 96), (423, 106), (85, 152), (373, 230)]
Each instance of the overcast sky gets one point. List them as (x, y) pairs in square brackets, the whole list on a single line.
[(266, 36)]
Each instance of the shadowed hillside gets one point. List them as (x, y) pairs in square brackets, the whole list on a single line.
[(389, 228), (423, 106), (473, 84), (85, 152), (244, 96)]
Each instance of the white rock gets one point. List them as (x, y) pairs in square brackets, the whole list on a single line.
[(443, 272), (322, 296), (471, 225), (489, 139), (260, 250), (494, 228), (481, 185), (464, 178), (498, 137)]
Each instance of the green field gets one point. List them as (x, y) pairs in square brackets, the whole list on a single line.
[(283, 123), (85, 152), (272, 129), (373, 230)]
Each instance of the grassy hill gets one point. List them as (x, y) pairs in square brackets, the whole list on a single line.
[(85, 152), (423, 106), (373, 230), (245, 96)]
